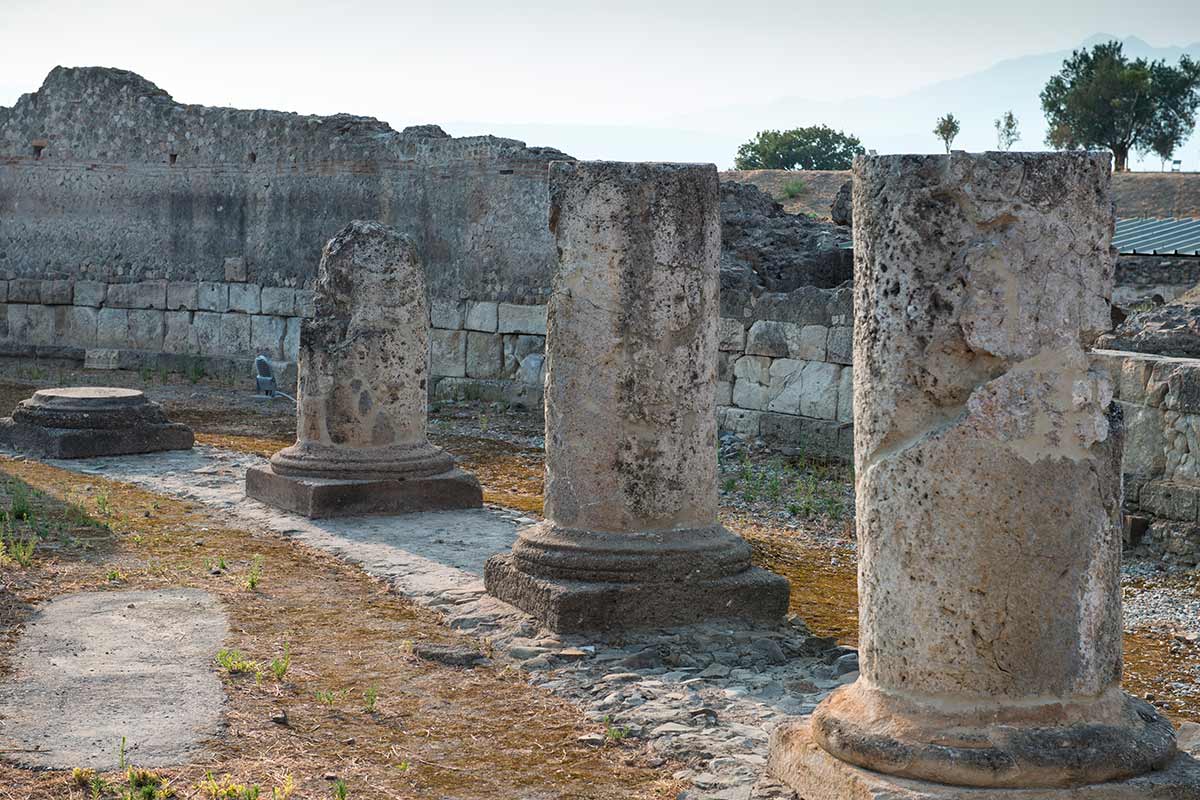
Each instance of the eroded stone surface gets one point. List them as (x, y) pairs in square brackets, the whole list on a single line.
[(988, 480), (86, 421), (631, 534), (94, 667), (361, 396)]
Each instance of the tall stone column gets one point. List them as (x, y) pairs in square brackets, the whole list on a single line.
[(631, 536), (363, 368), (987, 459)]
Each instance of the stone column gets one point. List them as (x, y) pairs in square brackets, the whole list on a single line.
[(361, 398), (987, 459), (631, 536)]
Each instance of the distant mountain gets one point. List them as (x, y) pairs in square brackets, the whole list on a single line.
[(889, 125)]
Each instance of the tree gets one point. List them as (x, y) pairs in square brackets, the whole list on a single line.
[(1101, 99), (1007, 131), (946, 129), (815, 147)]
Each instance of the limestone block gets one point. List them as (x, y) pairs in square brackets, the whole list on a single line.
[(179, 335), (25, 290), (448, 353), (3, 321), (279, 301), (753, 368), (245, 297), (58, 292), (266, 335), (183, 296), (449, 314), (819, 392), (235, 333), (724, 393), (305, 303), (146, 329), (725, 366), (840, 344), (744, 422), (731, 335), (213, 296), (751, 394), (291, 339), (1134, 377), (3, 291), (481, 316), (79, 326), (845, 395), (207, 325), (112, 327), (141, 295), (30, 323), (90, 293), (529, 319), (532, 371), (801, 436), (235, 270), (786, 387), (517, 347), (101, 358), (1145, 450), (770, 338), (484, 355), (1169, 500)]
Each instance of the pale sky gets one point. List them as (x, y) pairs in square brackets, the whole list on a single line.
[(469, 63)]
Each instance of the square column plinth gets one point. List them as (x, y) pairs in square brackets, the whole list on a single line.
[(318, 498), (571, 606)]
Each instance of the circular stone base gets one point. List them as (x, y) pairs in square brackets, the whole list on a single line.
[(398, 462), (1019, 745), (549, 551), (89, 408)]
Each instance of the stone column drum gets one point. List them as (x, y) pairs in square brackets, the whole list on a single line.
[(363, 369), (987, 457), (631, 536)]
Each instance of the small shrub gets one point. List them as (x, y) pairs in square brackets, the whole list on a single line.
[(794, 188), (340, 792), (281, 664), (370, 697), (326, 697), (235, 663), (255, 574)]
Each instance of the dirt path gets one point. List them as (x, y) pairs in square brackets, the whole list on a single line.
[(352, 704)]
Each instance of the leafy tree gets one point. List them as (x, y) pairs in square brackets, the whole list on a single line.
[(815, 147), (1007, 131), (1101, 99), (946, 129)]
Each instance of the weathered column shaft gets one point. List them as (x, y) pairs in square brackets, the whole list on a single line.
[(361, 396), (988, 479), (631, 495)]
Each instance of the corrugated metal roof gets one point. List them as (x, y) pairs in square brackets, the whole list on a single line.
[(1173, 236)]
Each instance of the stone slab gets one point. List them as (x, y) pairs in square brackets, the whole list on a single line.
[(75, 690), (92, 442), (567, 606), (796, 760), (320, 498)]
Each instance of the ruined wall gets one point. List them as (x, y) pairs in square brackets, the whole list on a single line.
[(1139, 278), (133, 222), (138, 232), (1159, 397)]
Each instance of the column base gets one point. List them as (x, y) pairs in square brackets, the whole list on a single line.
[(41, 442), (572, 606), (796, 760), (318, 498)]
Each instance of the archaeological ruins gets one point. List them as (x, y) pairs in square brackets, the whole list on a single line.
[(363, 371), (1019, 404)]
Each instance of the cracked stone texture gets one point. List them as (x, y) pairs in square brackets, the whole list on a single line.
[(631, 458), (364, 364), (76, 691), (988, 488)]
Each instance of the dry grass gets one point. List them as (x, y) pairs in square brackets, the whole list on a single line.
[(436, 731)]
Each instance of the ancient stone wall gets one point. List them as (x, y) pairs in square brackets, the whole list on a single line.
[(141, 233), (1140, 278), (1159, 397)]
